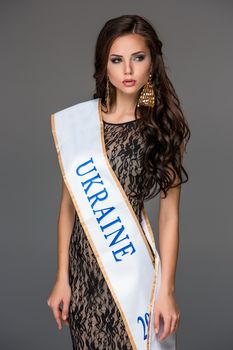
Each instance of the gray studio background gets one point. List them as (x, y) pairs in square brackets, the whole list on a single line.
[(46, 64)]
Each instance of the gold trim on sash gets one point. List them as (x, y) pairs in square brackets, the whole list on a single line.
[(154, 284), (148, 225)]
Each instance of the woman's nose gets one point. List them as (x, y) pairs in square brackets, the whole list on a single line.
[(128, 67)]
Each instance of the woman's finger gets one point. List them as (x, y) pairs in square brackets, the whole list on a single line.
[(174, 324), (166, 328), (65, 309), (156, 321), (57, 315)]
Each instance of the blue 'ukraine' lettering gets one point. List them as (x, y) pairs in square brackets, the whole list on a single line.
[(98, 195)]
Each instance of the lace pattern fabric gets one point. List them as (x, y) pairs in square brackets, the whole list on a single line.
[(95, 321)]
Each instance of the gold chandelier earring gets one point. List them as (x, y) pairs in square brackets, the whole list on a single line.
[(147, 96), (107, 95)]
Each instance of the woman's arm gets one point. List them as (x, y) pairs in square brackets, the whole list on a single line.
[(61, 292), (64, 231), (169, 238), (169, 245), (169, 234)]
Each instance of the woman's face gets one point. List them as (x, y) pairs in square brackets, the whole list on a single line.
[(129, 58)]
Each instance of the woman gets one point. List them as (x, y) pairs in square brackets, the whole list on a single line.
[(145, 135)]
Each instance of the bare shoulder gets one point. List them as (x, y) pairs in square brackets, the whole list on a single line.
[(65, 194)]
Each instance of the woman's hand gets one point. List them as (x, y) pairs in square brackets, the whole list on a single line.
[(166, 307), (61, 294)]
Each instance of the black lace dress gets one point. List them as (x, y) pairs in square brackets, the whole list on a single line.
[(94, 318)]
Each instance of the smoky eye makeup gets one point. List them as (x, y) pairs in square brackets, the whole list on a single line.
[(140, 57)]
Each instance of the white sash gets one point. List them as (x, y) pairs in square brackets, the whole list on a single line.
[(121, 245)]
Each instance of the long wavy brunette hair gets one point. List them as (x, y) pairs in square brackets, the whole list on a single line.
[(165, 128)]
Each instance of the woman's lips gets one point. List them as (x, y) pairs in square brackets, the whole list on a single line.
[(130, 82)]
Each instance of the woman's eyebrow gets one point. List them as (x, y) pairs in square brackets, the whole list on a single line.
[(113, 54)]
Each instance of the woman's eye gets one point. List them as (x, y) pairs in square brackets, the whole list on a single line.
[(141, 57), (114, 59)]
